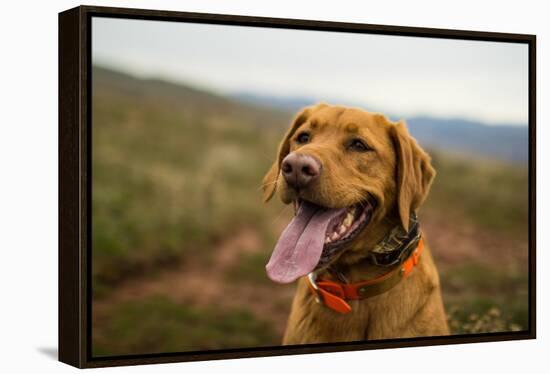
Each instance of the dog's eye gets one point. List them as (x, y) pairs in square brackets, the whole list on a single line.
[(303, 138), (358, 146)]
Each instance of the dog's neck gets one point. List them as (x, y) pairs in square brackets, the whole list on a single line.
[(357, 263)]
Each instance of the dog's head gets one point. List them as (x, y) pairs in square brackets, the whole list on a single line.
[(347, 171)]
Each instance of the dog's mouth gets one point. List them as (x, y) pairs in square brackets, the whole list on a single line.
[(314, 237)]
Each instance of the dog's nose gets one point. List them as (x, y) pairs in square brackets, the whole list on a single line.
[(300, 170)]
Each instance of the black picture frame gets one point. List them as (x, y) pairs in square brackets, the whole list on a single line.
[(75, 75)]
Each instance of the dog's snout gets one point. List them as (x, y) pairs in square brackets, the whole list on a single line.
[(299, 170)]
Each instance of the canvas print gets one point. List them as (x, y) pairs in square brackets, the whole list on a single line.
[(259, 187)]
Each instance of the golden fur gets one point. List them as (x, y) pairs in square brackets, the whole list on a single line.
[(397, 173)]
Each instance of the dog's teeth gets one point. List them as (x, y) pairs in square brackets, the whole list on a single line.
[(334, 236), (342, 229), (349, 219)]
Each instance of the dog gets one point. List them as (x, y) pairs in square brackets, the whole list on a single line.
[(364, 269)]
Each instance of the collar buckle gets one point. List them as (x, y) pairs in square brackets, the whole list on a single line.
[(333, 298)]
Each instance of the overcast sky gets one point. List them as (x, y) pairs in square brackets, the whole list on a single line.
[(485, 81)]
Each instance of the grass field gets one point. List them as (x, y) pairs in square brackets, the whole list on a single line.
[(181, 237)]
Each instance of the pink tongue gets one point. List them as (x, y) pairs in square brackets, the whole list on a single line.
[(300, 246)]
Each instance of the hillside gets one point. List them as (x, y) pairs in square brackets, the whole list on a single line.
[(184, 98)]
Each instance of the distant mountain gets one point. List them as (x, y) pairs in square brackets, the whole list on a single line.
[(507, 142), (287, 103)]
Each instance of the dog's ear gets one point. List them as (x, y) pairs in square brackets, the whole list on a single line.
[(269, 183), (414, 173)]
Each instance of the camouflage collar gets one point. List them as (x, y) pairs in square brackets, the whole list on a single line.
[(397, 245)]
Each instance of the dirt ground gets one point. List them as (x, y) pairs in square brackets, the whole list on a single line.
[(204, 283)]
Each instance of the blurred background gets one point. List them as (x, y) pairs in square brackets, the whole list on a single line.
[(186, 121)]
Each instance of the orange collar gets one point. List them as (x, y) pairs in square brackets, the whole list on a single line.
[(334, 294)]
